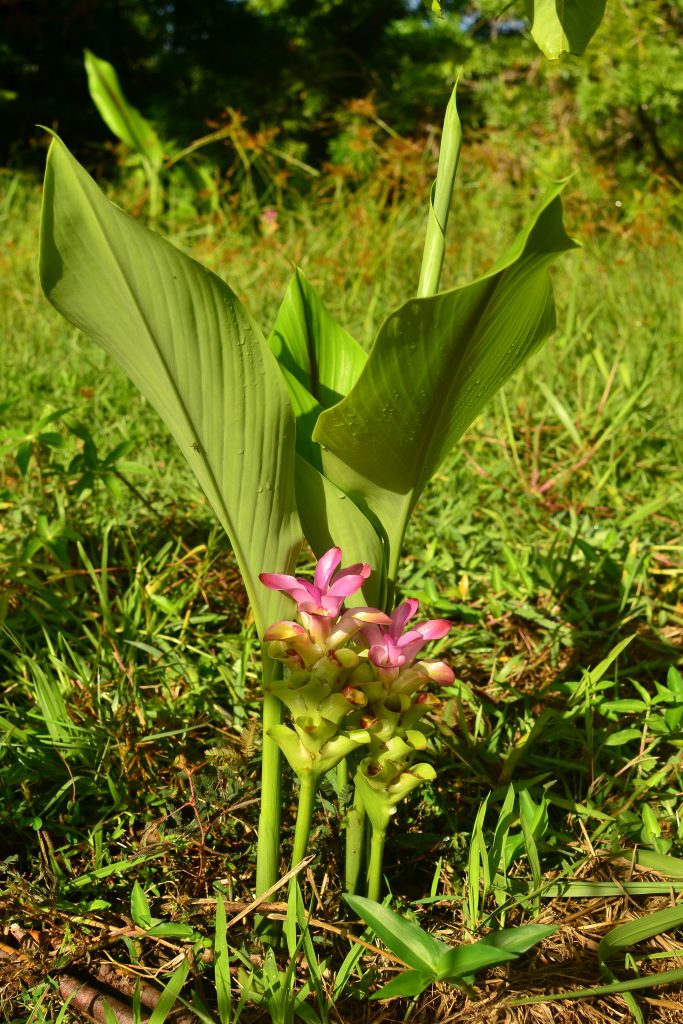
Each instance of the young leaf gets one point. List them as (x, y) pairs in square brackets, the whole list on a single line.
[(562, 27), (196, 354), (126, 123), (440, 201), (404, 938), (139, 908), (435, 364), (320, 354)]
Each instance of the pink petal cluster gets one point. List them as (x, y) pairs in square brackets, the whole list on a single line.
[(325, 595), (390, 648), (324, 626)]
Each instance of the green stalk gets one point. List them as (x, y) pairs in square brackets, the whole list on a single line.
[(355, 843), (304, 816), (268, 844), (342, 771), (375, 865), (442, 192)]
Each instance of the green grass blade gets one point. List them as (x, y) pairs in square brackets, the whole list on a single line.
[(170, 994), (221, 967), (634, 985)]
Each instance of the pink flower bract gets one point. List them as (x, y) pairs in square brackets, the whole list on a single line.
[(390, 648), (325, 595)]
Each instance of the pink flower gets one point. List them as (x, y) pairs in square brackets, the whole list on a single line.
[(325, 595), (390, 649)]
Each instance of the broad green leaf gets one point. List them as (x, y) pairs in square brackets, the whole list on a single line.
[(404, 938), (118, 114), (329, 518), (409, 983), (306, 411), (195, 353), (436, 362), (319, 353), (559, 26)]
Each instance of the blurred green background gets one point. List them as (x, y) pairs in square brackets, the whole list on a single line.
[(300, 67)]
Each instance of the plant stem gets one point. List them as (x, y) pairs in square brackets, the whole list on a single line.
[(442, 192), (342, 778), (304, 816), (375, 865), (268, 844), (355, 843)]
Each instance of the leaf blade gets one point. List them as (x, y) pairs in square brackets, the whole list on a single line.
[(562, 27), (195, 353), (406, 939), (436, 362)]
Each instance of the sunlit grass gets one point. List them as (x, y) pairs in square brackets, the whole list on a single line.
[(550, 537)]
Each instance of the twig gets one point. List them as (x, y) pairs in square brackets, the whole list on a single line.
[(255, 904)]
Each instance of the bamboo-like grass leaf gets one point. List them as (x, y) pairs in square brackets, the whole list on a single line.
[(409, 983), (436, 362), (432, 960), (406, 939), (195, 353), (560, 26), (120, 116), (631, 932)]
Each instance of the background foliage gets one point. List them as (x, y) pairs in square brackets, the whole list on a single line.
[(298, 68)]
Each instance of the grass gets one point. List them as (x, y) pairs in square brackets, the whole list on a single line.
[(551, 537)]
